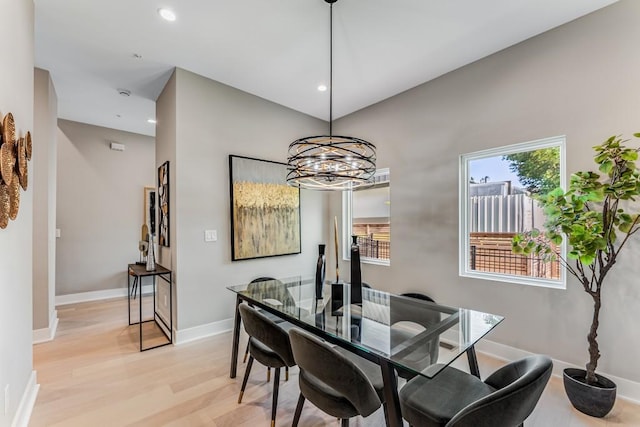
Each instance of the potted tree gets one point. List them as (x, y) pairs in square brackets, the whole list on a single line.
[(595, 218)]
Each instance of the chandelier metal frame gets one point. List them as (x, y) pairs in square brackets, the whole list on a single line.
[(331, 162)]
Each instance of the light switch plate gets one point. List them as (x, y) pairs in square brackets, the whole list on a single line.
[(210, 235)]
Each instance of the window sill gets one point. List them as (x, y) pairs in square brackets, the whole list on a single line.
[(516, 280)]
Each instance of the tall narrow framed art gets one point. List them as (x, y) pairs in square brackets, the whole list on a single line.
[(265, 211), (163, 204)]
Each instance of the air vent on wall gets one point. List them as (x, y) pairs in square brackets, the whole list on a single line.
[(117, 147)]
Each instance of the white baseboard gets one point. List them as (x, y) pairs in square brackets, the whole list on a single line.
[(47, 334), (627, 389), (96, 295), (203, 331), (27, 401)]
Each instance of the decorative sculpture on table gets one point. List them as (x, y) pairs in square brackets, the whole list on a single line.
[(320, 270), (356, 273), (337, 288)]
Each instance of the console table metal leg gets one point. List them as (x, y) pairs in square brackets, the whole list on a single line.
[(473, 362), (171, 306), (393, 414), (129, 296), (140, 318), (236, 340)]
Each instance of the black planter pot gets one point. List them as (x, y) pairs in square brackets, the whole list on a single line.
[(594, 400)]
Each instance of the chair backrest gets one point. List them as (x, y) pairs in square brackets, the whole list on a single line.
[(406, 310), (519, 387), (275, 289), (324, 363), (418, 295), (263, 329)]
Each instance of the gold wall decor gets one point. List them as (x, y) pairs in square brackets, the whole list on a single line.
[(265, 211), (14, 155)]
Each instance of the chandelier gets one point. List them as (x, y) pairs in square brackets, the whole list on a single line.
[(331, 162)]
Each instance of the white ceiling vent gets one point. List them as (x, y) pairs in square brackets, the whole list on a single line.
[(117, 146)]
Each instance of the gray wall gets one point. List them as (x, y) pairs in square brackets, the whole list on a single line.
[(580, 80), (100, 205), (201, 122), (16, 245), (44, 198)]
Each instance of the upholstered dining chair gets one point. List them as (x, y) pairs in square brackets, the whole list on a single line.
[(456, 399), (337, 381), (253, 285), (269, 344), (428, 353)]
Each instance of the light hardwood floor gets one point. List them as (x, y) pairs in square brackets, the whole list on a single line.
[(92, 374)]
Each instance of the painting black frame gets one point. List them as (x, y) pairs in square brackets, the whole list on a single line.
[(276, 171)]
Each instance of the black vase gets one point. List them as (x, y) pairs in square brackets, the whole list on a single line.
[(356, 274), (321, 267)]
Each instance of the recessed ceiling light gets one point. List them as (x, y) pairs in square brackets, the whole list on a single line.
[(322, 88), (167, 14), (153, 121)]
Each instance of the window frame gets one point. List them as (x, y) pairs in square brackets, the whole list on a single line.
[(347, 224), (464, 177)]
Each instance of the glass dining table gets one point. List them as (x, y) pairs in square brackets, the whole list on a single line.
[(404, 336)]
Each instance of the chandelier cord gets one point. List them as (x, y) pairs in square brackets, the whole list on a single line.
[(330, 69)]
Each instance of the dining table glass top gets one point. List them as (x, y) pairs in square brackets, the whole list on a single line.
[(416, 336)]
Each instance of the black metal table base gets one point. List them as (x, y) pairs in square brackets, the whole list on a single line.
[(135, 289)]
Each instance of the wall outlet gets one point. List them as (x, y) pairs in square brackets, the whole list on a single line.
[(210, 235)]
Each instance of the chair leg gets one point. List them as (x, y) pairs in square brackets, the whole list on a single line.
[(345, 422), (268, 374), (296, 416), (386, 413), (246, 377), (246, 353), (286, 373), (274, 405)]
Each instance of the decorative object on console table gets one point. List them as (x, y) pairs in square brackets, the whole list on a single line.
[(265, 211), (597, 220), (149, 211), (356, 273), (163, 203), (151, 255), (321, 266)]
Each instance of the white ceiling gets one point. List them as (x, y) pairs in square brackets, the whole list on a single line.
[(278, 49)]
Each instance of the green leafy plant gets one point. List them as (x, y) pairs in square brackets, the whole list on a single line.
[(594, 217)]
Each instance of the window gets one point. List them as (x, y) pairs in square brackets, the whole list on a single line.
[(367, 214), (498, 190)]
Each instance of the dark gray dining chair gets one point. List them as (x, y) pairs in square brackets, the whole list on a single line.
[(269, 344), (277, 283), (456, 399), (335, 380), (429, 350)]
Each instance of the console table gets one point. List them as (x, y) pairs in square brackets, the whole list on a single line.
[(134, 289)]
